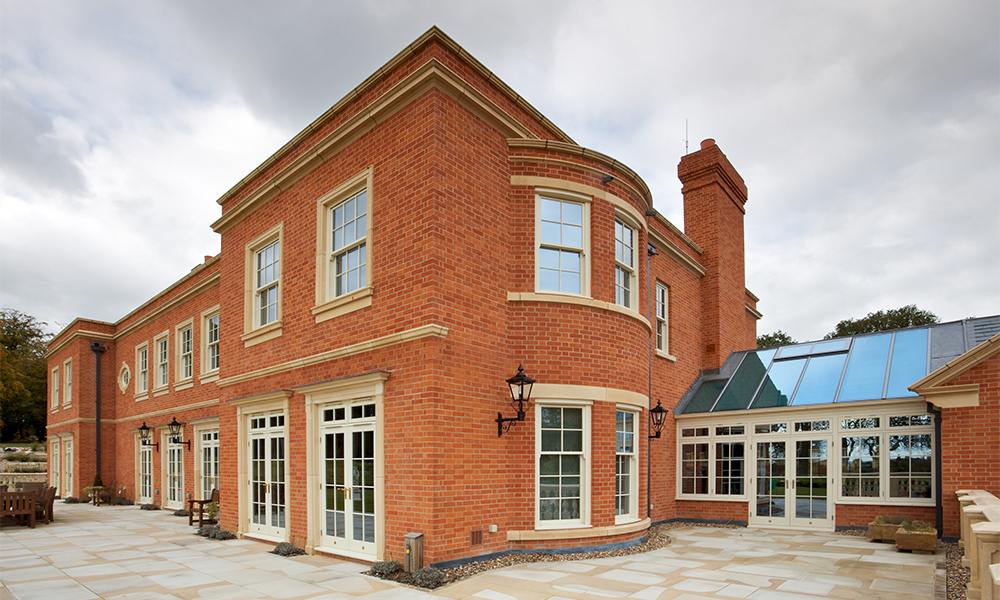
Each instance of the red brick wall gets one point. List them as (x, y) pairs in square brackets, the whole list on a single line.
[(970, 441), (860, 515), (451, 237), (716, 511)]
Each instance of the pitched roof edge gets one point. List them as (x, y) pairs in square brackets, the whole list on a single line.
[(957, 366), (432, 34)]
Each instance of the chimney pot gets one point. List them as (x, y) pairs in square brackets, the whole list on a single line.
[(707, 143)]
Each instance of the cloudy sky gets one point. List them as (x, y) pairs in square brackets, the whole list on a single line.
[(868, 133)]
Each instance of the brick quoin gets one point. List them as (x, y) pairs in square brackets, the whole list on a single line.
[(455, 161)]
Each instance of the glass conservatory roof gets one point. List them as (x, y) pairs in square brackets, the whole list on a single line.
[(863, 367)]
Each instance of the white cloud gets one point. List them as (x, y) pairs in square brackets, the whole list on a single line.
[(868, 133)]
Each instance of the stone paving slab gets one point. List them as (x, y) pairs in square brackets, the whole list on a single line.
[(122, 553)]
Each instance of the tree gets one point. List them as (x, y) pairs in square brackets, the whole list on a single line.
[(778, 338), (883, 320), (23, 371)]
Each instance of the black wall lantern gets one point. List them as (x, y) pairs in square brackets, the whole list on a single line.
[(175, 433), (657, 416), (520, 394), (146, 438)]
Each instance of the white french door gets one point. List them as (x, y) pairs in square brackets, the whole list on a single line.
[(54, 465), (175, 475), (209, 463), (145, 474), (67, 468), (791, 483), (267, 475), (349, 520)]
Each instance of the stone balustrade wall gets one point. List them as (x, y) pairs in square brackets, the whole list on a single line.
[(981, 541)]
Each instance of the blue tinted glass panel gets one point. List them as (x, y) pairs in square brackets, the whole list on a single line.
[(744, 383), (819, 384), (909, 362), (831, 346), (779, 383), (705, 397), (866, 368), (765, 356), (794, 351)]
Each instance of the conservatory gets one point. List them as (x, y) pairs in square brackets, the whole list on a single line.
[(799, 432)]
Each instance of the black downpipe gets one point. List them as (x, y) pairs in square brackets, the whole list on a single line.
[(939, 477), (98, 349)]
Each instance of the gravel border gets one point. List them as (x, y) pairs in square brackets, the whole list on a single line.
[(657, 538)]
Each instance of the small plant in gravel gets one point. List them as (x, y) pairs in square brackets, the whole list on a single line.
[(222, 535), (384, 568), (213, 532), (149, 507), (287, 549), (72, 500), (181, 513), (123, 501), (428, 577)]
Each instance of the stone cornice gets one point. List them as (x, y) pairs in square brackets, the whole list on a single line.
[(431, 75), (382, 342), (674, 251), (432, 35), (573, 150)]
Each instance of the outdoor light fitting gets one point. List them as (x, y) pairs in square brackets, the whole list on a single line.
[(520, 393), (146, 438), (657, 416), (175, 433)]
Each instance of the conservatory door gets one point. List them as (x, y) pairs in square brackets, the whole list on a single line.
[(791, 483), (810, 506)]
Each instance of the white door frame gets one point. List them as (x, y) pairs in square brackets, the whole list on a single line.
[(267, 484)]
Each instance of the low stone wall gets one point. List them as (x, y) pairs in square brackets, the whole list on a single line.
[(13, 481), (981, 540)]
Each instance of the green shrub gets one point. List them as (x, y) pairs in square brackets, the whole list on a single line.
[(917, 526), (23, 457), (28, 469), (428, 577)]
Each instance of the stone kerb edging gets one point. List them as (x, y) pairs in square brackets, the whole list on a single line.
[(981, 537)]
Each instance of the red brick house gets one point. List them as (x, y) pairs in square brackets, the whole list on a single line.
[(338, 369)]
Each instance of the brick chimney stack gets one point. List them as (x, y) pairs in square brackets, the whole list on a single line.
[(714, 199)]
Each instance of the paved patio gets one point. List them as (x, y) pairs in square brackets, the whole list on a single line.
[(127, 554)]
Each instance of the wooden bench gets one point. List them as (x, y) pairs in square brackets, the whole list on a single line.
[(19, 506), (201, 508)]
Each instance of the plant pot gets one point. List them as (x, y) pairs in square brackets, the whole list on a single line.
[(916, 541), (885, 532)]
